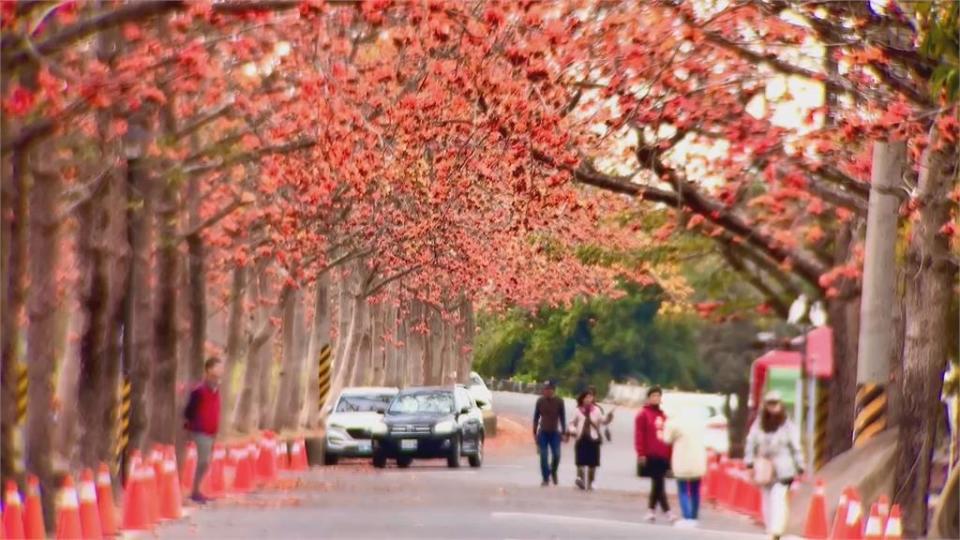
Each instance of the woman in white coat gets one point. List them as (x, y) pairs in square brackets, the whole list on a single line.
[(586, 429), (774, 457), (686, 432)]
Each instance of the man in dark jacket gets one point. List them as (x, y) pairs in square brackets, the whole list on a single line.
[(549, 426), (653, 452), (202, 416)]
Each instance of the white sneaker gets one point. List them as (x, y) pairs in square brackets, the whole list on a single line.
[(670, 517), (650, 517)]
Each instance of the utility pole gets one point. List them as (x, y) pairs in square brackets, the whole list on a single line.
[(876, 345)]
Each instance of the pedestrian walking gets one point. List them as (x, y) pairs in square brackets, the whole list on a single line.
[(202, 415), (686, 433), (549, 429), (653, 452), (586, 430), (774, 458)]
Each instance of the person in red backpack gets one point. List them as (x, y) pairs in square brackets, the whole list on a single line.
[(202, 416), (653, 451)]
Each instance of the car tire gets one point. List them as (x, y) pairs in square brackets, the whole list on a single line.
[(379, 459), (404, 461), (453, 459), (476, 460)]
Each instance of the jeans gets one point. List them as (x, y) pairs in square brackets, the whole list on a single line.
[(204, 444), (689, 492), (548, 440)]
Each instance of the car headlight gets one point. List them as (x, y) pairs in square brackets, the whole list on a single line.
[(380, 428), (444, 427), (336, 431)]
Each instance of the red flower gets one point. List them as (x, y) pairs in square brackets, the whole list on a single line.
[(20, 101)]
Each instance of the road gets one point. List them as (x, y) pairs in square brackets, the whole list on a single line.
[(503, 500)]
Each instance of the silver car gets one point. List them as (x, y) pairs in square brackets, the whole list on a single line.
[(350, 420)]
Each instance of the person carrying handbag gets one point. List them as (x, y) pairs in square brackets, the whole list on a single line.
[(653, 453), (774, 458), (586, 430)]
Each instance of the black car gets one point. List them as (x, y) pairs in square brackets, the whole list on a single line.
[(430, 423)]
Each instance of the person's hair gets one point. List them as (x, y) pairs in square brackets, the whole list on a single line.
[(211, 363), (583, 395), (654, 390), (771, 421)]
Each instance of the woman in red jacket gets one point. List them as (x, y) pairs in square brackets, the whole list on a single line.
[(653, 451)]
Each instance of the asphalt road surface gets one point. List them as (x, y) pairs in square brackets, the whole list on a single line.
[(502, 500)]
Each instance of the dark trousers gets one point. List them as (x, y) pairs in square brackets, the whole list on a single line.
[(657, 469), (689, 492), (548, 440)]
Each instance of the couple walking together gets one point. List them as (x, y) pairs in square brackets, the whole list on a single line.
[(550, 429)]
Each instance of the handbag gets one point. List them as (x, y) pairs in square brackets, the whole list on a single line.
[(763, 473)]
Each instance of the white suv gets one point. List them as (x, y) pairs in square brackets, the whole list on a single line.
[(351, 419)]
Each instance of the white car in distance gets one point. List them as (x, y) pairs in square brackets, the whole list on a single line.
[(479, 392), (350, 419)]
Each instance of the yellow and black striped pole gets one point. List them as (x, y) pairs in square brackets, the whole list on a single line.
[(820, 425), (871, 416), (324, 376), (23, 386), (123, 423)]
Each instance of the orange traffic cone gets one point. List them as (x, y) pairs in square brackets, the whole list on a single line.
[(284, 452), (252, 460), (170, 505), (267, 461), (883, 503), (33, 508), (840, 518), (874, 527), (303, 462), (189, 468), (89, 511), (894, 528), (136, 514), (108, 517), (68, 512), (152, 491), (853, 526), (13, 512), (817, 515), (243, 478)]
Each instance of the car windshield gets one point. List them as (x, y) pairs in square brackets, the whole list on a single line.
[(363, 403), (431, 403)]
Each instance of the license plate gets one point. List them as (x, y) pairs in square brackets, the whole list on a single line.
[(408, 444), (365, 446)]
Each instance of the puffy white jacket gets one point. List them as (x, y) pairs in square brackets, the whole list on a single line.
[(687, 435)]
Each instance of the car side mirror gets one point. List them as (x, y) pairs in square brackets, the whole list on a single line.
[(465, 410), (381, 410), (328, 409)]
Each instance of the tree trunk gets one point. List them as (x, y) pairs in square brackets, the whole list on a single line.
[(433, 359), (844, 316), (163, 387), (290, 301), (102, 257), (319, 336), (391, 357), (234, 349), (138, 342), (197, 277), (929, 288), (377, 350), (67, 378), (345, 307), (417, 344), (466, 335), (259, 332), (738, 419), (351, 339), (354, 349), (41, 332), (15, 223)]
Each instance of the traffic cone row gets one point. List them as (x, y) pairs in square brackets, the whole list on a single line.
[(152, 493), (883, 521)]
